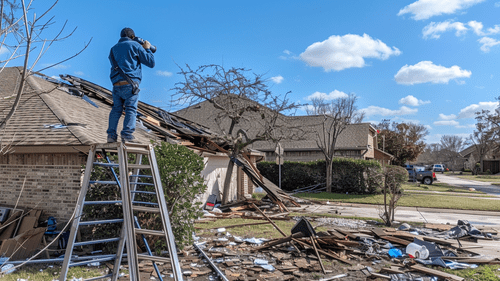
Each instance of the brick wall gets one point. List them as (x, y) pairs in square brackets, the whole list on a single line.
[(51, 188)]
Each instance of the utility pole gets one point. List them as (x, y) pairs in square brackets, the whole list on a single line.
[(279, 160)]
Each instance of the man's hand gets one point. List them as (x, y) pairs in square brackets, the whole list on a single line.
[(146, 44)]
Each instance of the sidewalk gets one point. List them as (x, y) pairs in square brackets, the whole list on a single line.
[(410, 214)]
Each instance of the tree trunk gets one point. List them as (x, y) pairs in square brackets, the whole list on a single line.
[(227, 182), (329, 175)]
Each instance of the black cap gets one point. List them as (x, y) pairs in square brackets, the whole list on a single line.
[(127, 32)]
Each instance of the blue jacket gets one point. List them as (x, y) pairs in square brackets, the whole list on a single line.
[(129, 55)]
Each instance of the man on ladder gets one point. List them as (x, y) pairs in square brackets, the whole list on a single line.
[(126, 58)]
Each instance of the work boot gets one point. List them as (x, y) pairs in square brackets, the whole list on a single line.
[(131, 140), (110, 139)]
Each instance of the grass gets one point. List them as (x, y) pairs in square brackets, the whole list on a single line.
[(483, 178), (412, 200), (481, 273), (39, 273), (260, 231), (440, 187)]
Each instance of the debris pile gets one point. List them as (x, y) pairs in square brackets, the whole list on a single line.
[(20, 234), (342, 249)]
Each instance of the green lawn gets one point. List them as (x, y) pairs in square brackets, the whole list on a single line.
[(412, 200), (44, 273), (483, 178), (441, 187)]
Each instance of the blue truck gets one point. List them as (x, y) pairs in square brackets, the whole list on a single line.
[(421, 174)]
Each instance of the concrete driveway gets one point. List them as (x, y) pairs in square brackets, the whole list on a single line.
[(485, 187)]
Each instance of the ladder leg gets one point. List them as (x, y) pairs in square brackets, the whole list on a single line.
[(176, 267), (78, 214), (128, 216)]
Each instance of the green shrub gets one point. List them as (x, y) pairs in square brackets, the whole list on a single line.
[(180, 171), (349, 175), (356, 176), (294, 174)]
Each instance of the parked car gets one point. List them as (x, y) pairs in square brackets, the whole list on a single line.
[(421, 174), (438, 168)]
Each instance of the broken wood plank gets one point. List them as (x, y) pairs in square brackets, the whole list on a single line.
[(396, 240), (337, 257), (262, 213), (280, 241), (437, 273), (317, 255)]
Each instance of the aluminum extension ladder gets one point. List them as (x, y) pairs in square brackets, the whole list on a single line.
[(132, 181)]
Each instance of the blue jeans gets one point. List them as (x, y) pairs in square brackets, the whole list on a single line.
[(123, 99)]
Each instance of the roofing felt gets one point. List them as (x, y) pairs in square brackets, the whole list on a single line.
[(354, 136), (54, 113)]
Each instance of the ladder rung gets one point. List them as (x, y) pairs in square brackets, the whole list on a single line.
[(145, 209), (91, 242), (105, 164), (142, 176), (137, 150), (104, 182), (91, 261), (145, 203), (102, 202), (138, 166), (142, 183), (100, 222), (149, 232), (144, 192), (153, 258)]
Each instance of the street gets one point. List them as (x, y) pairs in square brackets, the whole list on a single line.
[(485, 187)]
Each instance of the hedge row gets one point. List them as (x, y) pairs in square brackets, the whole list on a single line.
[(349, 175)]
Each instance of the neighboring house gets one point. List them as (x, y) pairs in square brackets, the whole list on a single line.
[(46, 141), (491, 161), (356, 141)]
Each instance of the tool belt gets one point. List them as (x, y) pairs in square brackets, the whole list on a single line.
[(121, 83)]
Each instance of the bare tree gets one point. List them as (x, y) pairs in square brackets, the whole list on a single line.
[(26, 32), (245, 110), (337, 115), (484, 137), (451, 146)]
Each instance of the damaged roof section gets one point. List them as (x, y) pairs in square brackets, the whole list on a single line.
[(75, 112)]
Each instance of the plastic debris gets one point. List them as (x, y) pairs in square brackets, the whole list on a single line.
[(395, 253), (417, 251), (220, 230), (7, 269), (254, 240)]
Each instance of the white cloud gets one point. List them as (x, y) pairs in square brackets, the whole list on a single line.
[(447, 117), (341, 52), (497, 4), (426, 71), (447, 123), (287, 52), (164, 73), (424, 9), (434, 29), (469, 111), (413, 101), (277, 79), (335, 94), (79, 73), (487, 43), (478, 28), (376, 110)]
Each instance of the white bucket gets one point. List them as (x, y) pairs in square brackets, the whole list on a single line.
[(417, 251)]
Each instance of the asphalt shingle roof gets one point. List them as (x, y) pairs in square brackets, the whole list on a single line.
[(354, 135)]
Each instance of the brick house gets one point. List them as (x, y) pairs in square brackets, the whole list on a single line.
[(45, 143), (356, 141)]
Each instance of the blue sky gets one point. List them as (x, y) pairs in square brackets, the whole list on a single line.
[(431, 62)]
